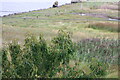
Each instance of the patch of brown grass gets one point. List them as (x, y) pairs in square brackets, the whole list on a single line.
[(107, 6), (113, 27), (13, 32)]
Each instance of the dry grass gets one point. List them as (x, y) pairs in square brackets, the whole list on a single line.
[(113, 27), (13, 32), (10, 33), (107, 6)]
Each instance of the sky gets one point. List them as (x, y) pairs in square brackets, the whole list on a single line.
[(34, 0)]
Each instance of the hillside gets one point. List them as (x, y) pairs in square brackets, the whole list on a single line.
[(66, 17), (86, 21)]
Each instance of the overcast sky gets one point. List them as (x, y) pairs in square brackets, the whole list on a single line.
[(34, 0)]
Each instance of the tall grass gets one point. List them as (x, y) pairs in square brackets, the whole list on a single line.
[(105, 50), (105, 26)]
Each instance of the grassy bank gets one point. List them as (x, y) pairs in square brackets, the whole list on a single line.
[(95, 36), (65, 17)]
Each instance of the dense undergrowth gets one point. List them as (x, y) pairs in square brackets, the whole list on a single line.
[(62, 58)]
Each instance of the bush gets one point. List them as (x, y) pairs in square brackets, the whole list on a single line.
[(37, 59)]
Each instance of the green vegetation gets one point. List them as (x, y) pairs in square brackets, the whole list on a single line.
[(105, 50), (86, 46), (62, 58), (0, 64)]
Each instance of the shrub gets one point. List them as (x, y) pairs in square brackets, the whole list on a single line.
[(97, 68), (37, 59)]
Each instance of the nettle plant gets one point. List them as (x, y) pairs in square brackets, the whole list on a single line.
[(37, 59)]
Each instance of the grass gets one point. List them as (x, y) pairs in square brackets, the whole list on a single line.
[(79, 31), (105, 50), (113, 27), (49, 21), (113, 75)]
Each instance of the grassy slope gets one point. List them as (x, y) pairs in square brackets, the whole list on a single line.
[(49, 21)]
